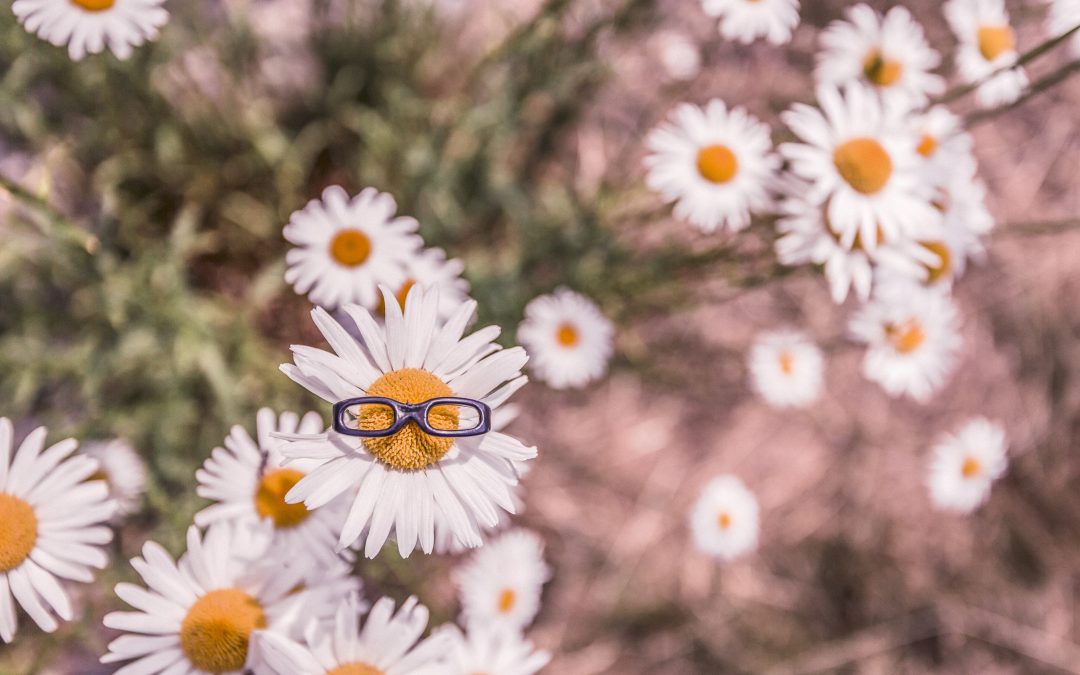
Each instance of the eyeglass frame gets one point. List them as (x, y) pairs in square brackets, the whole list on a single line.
[(412, 412)]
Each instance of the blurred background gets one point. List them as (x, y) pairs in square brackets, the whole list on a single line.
[(141, 295)]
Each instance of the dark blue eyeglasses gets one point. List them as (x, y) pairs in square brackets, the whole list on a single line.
[(376, 416)]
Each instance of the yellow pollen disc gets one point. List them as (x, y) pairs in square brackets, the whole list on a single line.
[(942, 269), (906, 337), (881, 71), (18, 531), (971, 467), (717, 163), (927, 145), (995, 41), (215, 633), (94, 5), (410, 448), (724, 520), (787, 362), (350, 248), (356, 668), (270, 498), (864, 164), (567, 335), (507, 600), (99, 475)]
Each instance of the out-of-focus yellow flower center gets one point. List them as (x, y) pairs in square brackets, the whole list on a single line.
[(995, 41), (94, 5), (270, 498), (401, 294), (507, 600), (856, 244), (567, 335), (724, 520), (970, 468), (410, 448), (356, 668), (905, 337), (934, 273), (350, 248), (99, 475), (881, 71), (864, 164), (927, 145), (217, 629), (717, 163), (18, 531), (787, 363)]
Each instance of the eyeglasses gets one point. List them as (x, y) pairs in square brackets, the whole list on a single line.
[(447, 416)]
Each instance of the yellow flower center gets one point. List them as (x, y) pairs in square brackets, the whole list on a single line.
[(401, 294), (567, 335), (350, 248), (507, 600), (906, 337), (99, 475), (787, 362), (864, 164), (881, 71), (94, 5), (18, 531), (356, 668), (717, 163), (995, 41), (927, 145), (724, 520), (971, 467), (409, 448), (270, 498), (942, 269), (217, 629)]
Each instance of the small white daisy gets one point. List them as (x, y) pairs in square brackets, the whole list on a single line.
[(502, 582), (123, 471), (965, 464), (912, 337), (678, 54), (889, 54), (987, 45), (569, 339), (386, 644), (715, 164), (861, 161), (52, 525), (725, 519), (1064, 17), (491, 648), (748, 20), (346, 247), (89, 26), (786, 369), (401, 482), (942, 143), (428, 268)]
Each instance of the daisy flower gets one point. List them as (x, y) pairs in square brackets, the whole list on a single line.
[(89, 26), (491, 649), (965, 464), (912, 339), (1064, 17), (678, 54), (202, 614), (724, 521), (987, 46), (52, 525), (942, 143), (123, 471), (386, 644), (430, 267), (502, 581), (786, 369), (862, 163), (714, 163), (889, 54), (569, 339), (248, 481), (402, 483), (748, 20), (346, 247)]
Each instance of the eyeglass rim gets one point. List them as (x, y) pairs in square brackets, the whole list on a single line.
[(414, 412)]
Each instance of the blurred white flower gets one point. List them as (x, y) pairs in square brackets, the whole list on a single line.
[(679, 55), (89, 26), (1065, 16), (501, 583), (748, 20), (715, 164), (987, 45), (429, 267), (52, 525), (491, 648), (786, 369), (725, 519), (965, 464), (942, 143), (123, 471), (568, 338)]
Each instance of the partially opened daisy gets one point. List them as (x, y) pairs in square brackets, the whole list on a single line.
[(912, 337), (748, 20), (345, 247), (402, 482), (123, 471), (861, 161), (387, 643), (248, 481), (889, 54), (786, 368), (716, 164), (569, 339), (987, 53), (724, 521), (52, 526), (965, 464), (501, 583), (490, 648), (89, 26), (430, 267), (1064, 17)]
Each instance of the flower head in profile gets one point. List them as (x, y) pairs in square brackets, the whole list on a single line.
[(490, 648), (501, 583), (965, 464), (786, 369), (89, 26), (122, 470), (568, 337), (747, 20), (403, 483), (987, 53), (52, 526), (725, 519)]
